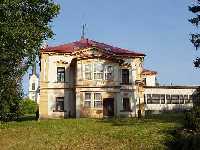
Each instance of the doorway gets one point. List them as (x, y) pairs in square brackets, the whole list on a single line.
[(108, 107)]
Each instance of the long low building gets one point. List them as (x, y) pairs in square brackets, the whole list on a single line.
[(165, 98)]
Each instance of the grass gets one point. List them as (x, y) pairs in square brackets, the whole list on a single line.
[(80, 134)]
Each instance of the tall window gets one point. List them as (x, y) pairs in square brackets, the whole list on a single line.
[(125, 76), (61, 74), (98, 71), (181, 98), (108, 73), (97, 100), (88, 98), (88, 72), (33, 86), (126, 104), (162, 98), (149, 98), (60, 104), (168, 98)]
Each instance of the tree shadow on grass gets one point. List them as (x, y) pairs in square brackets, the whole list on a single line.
[(31, 117)]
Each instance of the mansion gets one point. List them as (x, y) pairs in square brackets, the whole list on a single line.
[(86, 78)]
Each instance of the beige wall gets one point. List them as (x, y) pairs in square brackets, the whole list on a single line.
[(73, 91)]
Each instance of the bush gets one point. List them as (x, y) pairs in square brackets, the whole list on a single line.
[(187, 140), (192, 119), (29, 106)]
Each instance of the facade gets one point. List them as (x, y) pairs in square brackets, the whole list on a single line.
[(90, 79), (168, 98)]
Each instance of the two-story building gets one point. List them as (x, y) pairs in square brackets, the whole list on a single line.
[(90, 79)]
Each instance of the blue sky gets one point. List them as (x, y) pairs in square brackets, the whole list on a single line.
[(159, 28)]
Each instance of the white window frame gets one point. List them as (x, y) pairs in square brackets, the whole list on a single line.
[(98, 100), (106, 72), (88, 100), (93, 72), (88, 71), (97, 72)]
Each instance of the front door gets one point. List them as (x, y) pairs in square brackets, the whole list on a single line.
[(108, 107)]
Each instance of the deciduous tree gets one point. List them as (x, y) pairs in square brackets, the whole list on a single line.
[(24, 25)]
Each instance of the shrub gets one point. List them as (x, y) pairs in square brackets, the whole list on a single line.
[(192, 119), (29, 106)]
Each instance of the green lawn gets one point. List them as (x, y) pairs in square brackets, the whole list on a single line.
[(152, 133)]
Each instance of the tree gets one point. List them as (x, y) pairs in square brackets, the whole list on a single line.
[(195, 38), (24, 25)]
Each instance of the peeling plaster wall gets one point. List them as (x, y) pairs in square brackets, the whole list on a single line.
[(75, 86)]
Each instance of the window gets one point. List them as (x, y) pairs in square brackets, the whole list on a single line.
[(155, 99), (87, 102), (145, 81), (98, 71), (186, 99), (88, 72), (33, 86), (148, 98), (162, 98), (59, 104), (108, 72), (61, 74), (175, 99), (190, 98), (125, 76), (168, 98), (181, 98), (97, 100), (126, 104)]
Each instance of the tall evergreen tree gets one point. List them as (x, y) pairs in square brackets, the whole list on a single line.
[(195, 38), (24, 24)]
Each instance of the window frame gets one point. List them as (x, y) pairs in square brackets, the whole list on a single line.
[(60, 75), (33, 86), (97, 72), (125, 77), (126, 104), (88, 100), (88, 71), (98, 101), (57, 102), (106, 72)]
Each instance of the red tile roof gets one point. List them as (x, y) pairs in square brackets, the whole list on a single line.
[(86, 43), (148, 72)]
